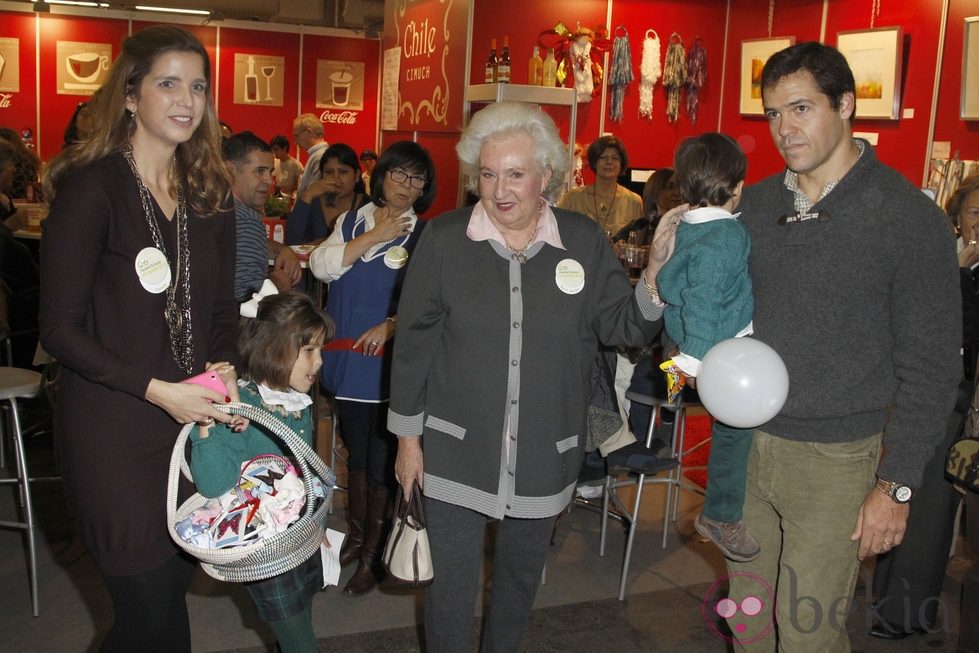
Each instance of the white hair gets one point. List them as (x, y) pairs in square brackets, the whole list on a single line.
[(503, 118)]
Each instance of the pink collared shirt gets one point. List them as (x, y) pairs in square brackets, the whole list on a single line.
[(482, 228)]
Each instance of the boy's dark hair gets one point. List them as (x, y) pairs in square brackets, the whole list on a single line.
[(279, 141), (237, 148), (826, 64), (709, 168), (269, 343), (412, 158)]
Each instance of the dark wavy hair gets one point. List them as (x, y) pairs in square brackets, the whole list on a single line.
[(598, 147), (347, 156), (826, 64), (199, 170), (269, 343), (409, 156), (709, 168)]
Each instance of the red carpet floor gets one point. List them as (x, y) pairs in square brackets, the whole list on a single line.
[(697, 432)]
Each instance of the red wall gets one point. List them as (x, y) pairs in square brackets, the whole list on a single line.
[(19, 110), (56, 109), (963, 134), (363, 133)]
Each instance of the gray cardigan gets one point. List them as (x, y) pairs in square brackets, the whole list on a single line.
[(492, 361), (864, 308)]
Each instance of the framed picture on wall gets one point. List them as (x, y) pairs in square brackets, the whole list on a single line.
[(970, 69), (875, 58), (754, 54)]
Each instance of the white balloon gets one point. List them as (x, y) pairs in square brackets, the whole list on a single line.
[(742, 382)]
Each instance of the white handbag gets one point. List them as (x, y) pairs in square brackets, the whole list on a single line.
[(407, 556)]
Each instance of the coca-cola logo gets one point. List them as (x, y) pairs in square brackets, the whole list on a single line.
[(339, 117), (5, 100)]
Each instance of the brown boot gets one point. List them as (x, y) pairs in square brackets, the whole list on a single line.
[(356, 510), (369, 570)]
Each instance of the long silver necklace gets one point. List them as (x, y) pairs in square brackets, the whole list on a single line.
[(176, 315)]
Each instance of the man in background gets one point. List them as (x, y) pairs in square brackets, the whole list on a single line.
[(249, 160), (308, 132), (287, 170)]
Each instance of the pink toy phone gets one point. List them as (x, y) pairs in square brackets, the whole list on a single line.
[(209, 380)]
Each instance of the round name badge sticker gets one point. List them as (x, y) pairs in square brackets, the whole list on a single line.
[(153, 270), (569, 276), (396, 257)]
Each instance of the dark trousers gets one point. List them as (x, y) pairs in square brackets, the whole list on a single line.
[(969, 620), (151, 609), (363, 427), (727, 472), (457, 540), (908, 580)]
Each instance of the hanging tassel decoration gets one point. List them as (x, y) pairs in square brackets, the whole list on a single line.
[(620, 72), (649, 73), (674, 75), (696, 77)]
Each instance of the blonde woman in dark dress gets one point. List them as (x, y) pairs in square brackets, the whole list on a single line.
[(137, 294)]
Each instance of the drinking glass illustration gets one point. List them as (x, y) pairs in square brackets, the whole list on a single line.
[(86, 66), (268, 72), (341, 87), (3, 62)]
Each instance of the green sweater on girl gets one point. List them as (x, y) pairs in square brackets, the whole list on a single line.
[(216, 460)]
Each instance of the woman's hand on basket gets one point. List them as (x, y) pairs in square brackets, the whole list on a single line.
[(408, 468), (187, 402), (229, 376)]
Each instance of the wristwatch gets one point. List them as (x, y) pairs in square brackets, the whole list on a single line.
[(897, 491)]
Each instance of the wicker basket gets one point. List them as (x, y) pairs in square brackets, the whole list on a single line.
[(270, 556)]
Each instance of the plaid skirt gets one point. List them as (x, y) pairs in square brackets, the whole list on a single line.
[(287, 594)]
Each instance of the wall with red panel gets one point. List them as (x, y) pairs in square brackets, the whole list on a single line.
[(19, 110), (264, 120), (962, 134), (902, 143), (362, 134), (56, 109), (749, 20)]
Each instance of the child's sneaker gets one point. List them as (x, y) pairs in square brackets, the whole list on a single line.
[(732, 538)]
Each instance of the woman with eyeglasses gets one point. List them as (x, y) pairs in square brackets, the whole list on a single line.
[(364, 261)]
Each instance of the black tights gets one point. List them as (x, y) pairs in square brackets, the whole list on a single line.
[(363, 427), (151, 609)]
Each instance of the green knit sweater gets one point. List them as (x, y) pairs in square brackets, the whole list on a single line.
[(216, 460), (705, 284)]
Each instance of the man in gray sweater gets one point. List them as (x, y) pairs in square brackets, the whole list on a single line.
[(856, 287)]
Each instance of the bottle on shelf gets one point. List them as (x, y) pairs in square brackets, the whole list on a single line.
[(549, 75), (535, 73), (491, 63), (503, 65)]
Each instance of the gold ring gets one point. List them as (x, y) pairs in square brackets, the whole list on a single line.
[(206, 422)]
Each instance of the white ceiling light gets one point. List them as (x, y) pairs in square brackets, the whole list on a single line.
[(173, 10), (74, 3)]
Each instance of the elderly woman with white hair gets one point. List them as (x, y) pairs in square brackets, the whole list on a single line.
[(501, 314)]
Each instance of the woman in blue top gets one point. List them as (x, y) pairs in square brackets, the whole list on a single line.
[(364, 262)]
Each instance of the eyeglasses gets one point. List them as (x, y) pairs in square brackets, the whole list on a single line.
[(400, 176)]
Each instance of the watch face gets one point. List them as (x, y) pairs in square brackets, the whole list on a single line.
[(902, 494)]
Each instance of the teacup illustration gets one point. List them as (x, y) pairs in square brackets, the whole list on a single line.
[(86, 66)]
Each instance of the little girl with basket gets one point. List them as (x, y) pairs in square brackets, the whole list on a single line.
[(280, 352)]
